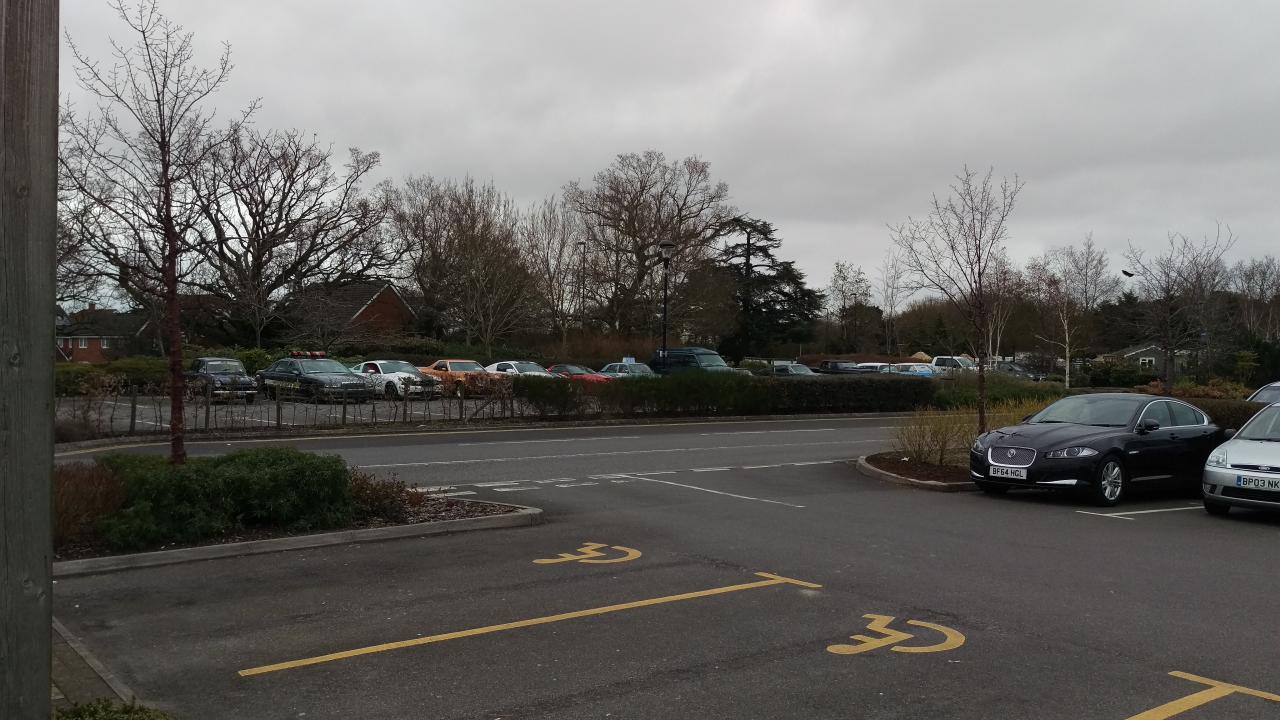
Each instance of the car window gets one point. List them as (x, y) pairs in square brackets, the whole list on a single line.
[(1265, 426), (1184, 414), (1104, 410), (528, 367), (440, 365), (323, 366), (640, 369), (466, 366), (708, 360), (371, 367), (224, 366), (1158, 411), (395, 366), (681, 360), (1268, 394)]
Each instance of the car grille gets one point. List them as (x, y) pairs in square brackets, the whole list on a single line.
[(1258, 468), (1015, 456), (353, 386), (1251, 494)]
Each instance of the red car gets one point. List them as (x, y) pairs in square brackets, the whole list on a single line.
[(578, 373)]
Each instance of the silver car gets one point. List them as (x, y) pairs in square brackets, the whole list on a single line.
[(1245, 470)]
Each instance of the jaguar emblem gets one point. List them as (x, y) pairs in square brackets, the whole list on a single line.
[(1012, 452)]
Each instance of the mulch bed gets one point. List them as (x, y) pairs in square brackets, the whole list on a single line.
[(428, 509), (897, 464)]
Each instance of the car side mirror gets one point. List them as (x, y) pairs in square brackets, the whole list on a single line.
[(1147, 426), (1228, 433)]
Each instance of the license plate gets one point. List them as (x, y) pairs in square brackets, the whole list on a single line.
[(1008, 472), (1257, 483)]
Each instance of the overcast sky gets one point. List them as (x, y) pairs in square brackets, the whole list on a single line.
[(830, 119)]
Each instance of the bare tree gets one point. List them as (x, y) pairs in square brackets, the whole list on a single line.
[(1069, 284), (1008, 288), (955, 250), (893, 293), (1181, 287), (136, 160), (1256, 283), (419, 222), (277, 215), (553, 242), (491, 280), (849, 288), (633, 205)]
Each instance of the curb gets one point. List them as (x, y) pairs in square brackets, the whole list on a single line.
[(524, 516), (506, 425), (867, 468), (121, 691)]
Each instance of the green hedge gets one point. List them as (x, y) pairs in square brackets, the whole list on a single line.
[(212, 496), (960, 390), (110, 710), (1225, 414), (135, 371), (710, 394)]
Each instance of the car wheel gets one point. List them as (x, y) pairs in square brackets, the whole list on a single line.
[(1109, 487), (991, 488), (389, 392), (1216, 508)]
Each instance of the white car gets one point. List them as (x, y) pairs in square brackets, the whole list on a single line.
[(1244, 471), (1266, 394), (393, 379), (518, 367)]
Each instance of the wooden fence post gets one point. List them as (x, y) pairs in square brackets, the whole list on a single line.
[(28, 185)]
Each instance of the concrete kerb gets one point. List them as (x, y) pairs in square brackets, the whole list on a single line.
[(523, 516), (867, 468)]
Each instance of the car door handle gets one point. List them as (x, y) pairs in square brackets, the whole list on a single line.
[(1173, 436)]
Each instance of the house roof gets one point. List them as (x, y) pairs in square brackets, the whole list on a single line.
[(104, 322), (347, 299)]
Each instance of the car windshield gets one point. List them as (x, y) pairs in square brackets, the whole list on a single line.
[(311, 367), (1103, 411), (529, 367), (965, 362), (1265, 426), (465, 366), (1013, 367), (224, 367), (710, 360), (1269, 394), (398, 366), (572, 370), (641, 369), (800, 370)]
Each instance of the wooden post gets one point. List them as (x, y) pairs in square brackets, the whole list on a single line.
[(133, 409), (28, 187)]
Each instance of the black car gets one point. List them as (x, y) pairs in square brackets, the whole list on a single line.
[(686, 359), (218, 378), (1018, 371), (314, 379), (1097, 444), (838, 367)]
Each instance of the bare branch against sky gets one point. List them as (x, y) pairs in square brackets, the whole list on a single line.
[(830, 119)]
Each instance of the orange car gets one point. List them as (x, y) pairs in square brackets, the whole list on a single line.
[(458, 376)]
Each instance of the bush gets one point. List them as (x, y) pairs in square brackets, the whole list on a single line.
[(960, 390), (551, 396), (376, 499), (944, 437), (211, 496), (140, 370), (70, 379), (1119, 374), (1225, 414), (83, 494), (72, 430), (110, 710)]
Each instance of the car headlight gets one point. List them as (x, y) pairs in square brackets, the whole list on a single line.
[(1218, 458), (977, 446), (1073, 452)]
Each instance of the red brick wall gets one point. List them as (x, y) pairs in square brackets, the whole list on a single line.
[(387, 313), (94, 353)]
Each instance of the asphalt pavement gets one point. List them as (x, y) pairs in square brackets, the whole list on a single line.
[(727, 570)]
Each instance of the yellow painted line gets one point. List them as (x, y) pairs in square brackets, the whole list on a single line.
[(1218, 683), (488, 629), (1216, 691)]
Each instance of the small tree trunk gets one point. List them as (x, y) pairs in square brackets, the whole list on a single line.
[(173, 332), (1066, 371)]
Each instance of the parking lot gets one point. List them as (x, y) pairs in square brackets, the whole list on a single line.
[(722, 570)]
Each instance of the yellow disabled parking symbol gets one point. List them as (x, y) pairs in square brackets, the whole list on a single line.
[(888, 637), (590, 553)]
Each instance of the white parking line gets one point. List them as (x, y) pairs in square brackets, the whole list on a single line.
[(771, 432), (556, 440), (717, 492), (759, 467), (815, 462), (517, 489), (527, 458), (1125, 515), (496, 484), (719, 469), (453, 494), (582, 484)]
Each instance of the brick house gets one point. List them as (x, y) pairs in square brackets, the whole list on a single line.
[(92, 335), (372, 309)]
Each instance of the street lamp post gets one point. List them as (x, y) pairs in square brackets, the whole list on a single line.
[(582, 284), (667, 248)]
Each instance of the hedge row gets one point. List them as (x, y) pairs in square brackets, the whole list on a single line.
[(711, 394), (1231, 414)]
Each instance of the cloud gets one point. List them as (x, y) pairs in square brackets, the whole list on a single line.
[(830, 119)]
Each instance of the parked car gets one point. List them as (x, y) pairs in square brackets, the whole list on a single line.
[(627, 370), (837, 367), (1016, 370), (871, 367), (517, 367), (219, 378), (688, 359), (1245, 470), (578, 373), (1266, 394), (1099, 444), (397, 379), (917, 369), (788, 370), (458, 376), (949, 363), (313, 379)]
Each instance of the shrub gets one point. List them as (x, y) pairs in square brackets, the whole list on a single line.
[(69, 378), (960, 390), (1119, 374), (377, 499), (72, 430), (935, 437), (1227, 413), (1216, 388), (110, 710), (211, 496), (83, 494), (140, 370), (551, 396)]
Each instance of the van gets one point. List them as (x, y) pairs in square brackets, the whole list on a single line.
[(688, 358)]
